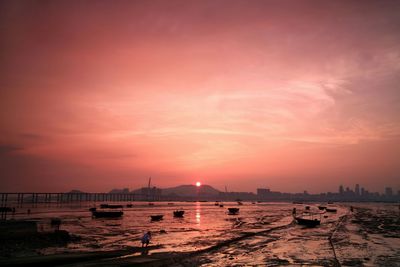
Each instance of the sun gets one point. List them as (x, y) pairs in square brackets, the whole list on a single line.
[(198, 184)]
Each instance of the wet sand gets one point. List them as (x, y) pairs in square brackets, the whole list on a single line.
[(369, 236)]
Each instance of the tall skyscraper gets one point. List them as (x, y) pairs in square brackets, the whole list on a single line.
[(341, 190), (357, 189), (388, 191)]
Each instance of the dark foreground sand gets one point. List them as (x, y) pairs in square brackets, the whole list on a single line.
[(366, 237)]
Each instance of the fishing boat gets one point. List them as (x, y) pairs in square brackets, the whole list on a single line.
[(111, 206), (179, 213), (310, 222), (156, 217), (107, 213), (233, 211)]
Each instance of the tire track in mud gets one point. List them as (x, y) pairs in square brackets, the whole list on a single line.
[(338, 224), (167, 259), (242, 237)]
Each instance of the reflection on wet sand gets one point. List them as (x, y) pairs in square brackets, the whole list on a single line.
[(198, 211), (262, 234)]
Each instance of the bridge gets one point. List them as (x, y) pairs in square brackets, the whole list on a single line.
[(42, 197)]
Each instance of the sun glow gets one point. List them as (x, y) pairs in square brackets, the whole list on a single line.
[(198, 184)]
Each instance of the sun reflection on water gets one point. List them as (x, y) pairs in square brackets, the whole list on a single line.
[(198, 211)]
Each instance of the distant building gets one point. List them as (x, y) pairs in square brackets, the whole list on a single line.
[(388, 191), (341, 190), (357, 190), (362, 191), (150, 193), (263, 192)]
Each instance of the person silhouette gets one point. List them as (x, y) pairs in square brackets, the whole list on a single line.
[(146, 239)]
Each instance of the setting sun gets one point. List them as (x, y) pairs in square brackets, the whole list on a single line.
[(198, 184)]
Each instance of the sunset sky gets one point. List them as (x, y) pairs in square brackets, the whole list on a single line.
[(288, 95)]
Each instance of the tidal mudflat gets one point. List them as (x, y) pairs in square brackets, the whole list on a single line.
[(260, 234)]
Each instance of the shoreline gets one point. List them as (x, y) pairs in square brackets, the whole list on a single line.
[(368, 236)]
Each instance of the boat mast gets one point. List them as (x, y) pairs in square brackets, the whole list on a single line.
[(148, 189)]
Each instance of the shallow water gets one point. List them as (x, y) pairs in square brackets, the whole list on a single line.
[(205, 225)]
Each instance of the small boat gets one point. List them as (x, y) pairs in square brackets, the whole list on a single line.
[(151, 204), (170, 203), (55, 222), (331, 210), (6, 209), (307, 207), (240, 203), (179, 213), (221, 205), (307, 222), (216, 203), (156, 217), (111, 206), (321, 207), (107, 213), (253, 202), (233, 211), (129, 205)]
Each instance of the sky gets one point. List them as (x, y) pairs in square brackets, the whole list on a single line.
[(286, 95)]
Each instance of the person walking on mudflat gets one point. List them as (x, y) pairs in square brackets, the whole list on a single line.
[(146, 239)]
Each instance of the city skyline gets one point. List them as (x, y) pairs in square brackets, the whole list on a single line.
[(286, 94)]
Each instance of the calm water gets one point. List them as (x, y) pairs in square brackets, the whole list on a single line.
[(205, 225)]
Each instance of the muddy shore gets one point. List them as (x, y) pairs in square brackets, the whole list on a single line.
[(365, 237)]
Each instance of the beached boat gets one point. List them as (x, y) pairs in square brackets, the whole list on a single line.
[(156, 217), (233, 211), (107, 213), (111, 206), (179, 213), (331, 210), (321, 207), (310, 222)]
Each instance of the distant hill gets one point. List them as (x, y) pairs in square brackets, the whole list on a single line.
[(119, 191), (75, 191), (190, 191)]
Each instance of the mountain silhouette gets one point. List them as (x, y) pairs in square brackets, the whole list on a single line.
[(190, 191)]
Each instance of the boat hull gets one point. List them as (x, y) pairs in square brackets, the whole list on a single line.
[(107, 214), (307, 222)]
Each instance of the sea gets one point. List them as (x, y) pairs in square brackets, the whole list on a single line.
[(264, 233)]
